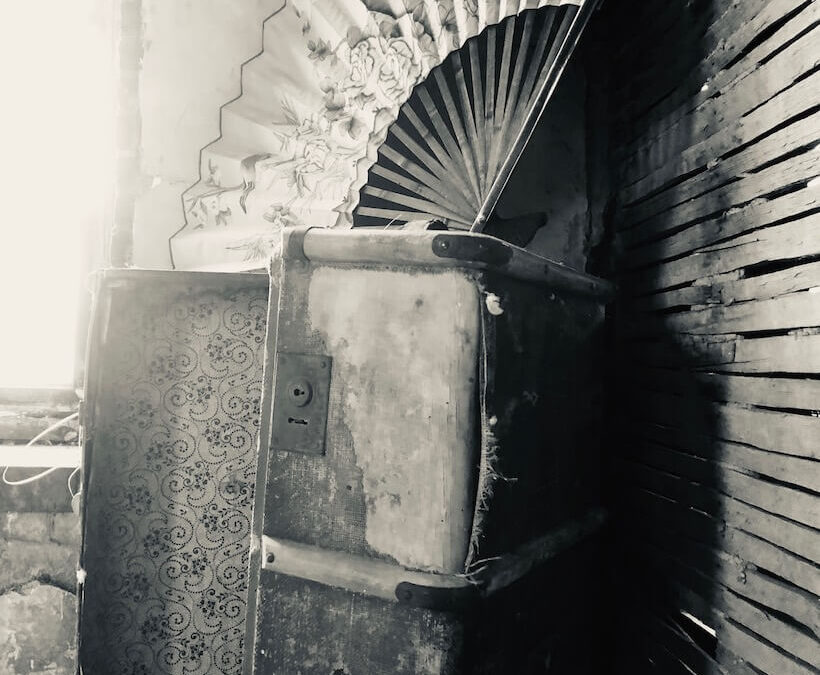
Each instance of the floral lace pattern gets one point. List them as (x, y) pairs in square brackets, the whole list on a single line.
[(171, 483)]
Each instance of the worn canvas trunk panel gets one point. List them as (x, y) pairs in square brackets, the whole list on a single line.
[(171, 426), (462, 410)]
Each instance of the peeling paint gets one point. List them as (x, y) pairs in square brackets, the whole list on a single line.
[(413, 443)]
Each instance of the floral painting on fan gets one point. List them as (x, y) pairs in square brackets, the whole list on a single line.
[(316, 105)]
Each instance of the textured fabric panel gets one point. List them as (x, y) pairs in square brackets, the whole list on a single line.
[(171, 480)]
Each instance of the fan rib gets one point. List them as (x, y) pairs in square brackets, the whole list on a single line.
[(469, 120), (477, 107), (446, 158), (535, 62), (421, 188), (458, 129), (417, 171), (415, 203), (520, 106), (501, 100), (573, 22), (515, 86), (456, 141), (424, 157), (393, 215), (556, 46)]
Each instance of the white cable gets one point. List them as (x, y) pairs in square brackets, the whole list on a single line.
[(42, 474), (70, 476)]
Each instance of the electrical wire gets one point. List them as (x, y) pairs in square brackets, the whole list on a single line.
[(42, 474)]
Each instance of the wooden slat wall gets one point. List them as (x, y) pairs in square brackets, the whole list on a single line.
[(716, 169)]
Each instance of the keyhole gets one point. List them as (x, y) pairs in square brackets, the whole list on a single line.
[(300, 392)]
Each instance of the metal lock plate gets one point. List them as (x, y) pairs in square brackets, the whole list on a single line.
[(300, 403)]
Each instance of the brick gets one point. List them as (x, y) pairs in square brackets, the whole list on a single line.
[(66, 529), (24, 561), (25, 526), (37, 631)]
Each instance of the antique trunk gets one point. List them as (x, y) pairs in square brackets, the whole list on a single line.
[(427, 488), (170, 424)]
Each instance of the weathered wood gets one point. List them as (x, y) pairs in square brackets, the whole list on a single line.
[(715, 290), (799, 542), (756, 214), (787, 468), (730, 94), (681, 645), (762, 391), (726, 467), (19, 426), (718, 607), (721, 567), (721, 172), (726, 35), (792, 171), (789, 241), (787, 312), (716, 236), (782, 432), (797, 353), (705, 152)]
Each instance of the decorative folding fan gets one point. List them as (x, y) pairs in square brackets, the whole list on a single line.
[(321, 105)]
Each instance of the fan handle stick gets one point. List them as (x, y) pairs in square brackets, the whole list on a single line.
[(548, 81)]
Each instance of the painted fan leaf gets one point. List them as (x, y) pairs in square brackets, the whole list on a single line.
[(317, 104)]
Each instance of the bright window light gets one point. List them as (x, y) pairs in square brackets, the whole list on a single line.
[(56, 129)]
